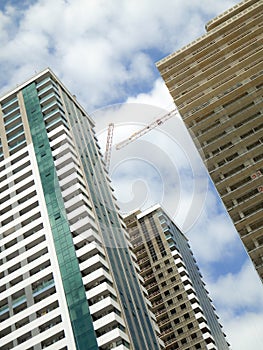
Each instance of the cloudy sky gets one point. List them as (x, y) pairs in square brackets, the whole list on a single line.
[(105, 53)]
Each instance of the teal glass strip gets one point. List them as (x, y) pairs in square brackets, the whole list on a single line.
[(131, 297), (80, 317)]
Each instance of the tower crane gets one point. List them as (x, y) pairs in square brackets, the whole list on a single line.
[(107, 155), (147, 128), (135, 135)]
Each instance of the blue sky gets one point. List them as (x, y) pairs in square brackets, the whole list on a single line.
[(105, 53)]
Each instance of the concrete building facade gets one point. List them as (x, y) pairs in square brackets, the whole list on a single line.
[(216, 82), (179, 300), (67, 278)]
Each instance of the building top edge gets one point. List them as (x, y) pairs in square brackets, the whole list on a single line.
[(149, 210), (230, 12), (211, 31), (154, 208), (26, 82), (38, 75)]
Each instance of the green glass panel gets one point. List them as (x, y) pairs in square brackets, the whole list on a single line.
[(142, 333), (80, 317)]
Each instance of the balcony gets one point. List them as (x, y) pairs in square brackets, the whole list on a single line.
[(90, 236), (137, 245), (4, 309), (151, 285), (179, 262), (192, 297), (53, 113), (157, 302), (48, 88), (11, 113), (134, 237), (200, 317), (146, 268), (167, 331), (159, 313), (140, 252), (185, 279), (115, 334), (176, 254), (9, 103), (48, 98), (12, 127), (164, 321), (93, 263), (170, 341), (104, 321), (77, 200), (188, 288), (238, 175), (235, 162), (43, 83), (248, 199), (13, 137), (255, 251), (101, 307), (143, 260), (100, 290), (225, 137), (182, 271), (96, 277), (249, 217), (79, 213), (243, 186), (42, 287), (148, 277), (248, 236)]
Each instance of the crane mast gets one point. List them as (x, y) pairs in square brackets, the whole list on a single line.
[(146, 129), (107, 155)]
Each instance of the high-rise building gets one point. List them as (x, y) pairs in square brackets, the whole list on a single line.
[(216, 83), (67, 278), (179, 300)]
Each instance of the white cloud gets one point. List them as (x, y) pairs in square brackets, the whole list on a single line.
[(214, 236), (101, 50), (105, 52), (158, 96), (241, 291), (239, 301), (245, 332)]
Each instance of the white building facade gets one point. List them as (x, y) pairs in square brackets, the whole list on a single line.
[(59, 287)]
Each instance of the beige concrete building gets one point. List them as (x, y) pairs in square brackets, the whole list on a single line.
[(216, 82), (179, 300)]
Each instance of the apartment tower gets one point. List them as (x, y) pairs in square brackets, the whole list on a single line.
[(180, 302), (67, 278), (216, 82)]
